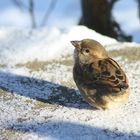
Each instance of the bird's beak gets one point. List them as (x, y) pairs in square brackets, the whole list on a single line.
[(76, 44)]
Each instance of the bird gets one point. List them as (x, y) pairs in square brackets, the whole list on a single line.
[(99, 78)]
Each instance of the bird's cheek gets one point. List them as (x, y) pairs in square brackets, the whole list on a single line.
[(83, 59), (84, 53)]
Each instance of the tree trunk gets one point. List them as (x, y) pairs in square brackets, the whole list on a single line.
[(138, 7), (96, 14)]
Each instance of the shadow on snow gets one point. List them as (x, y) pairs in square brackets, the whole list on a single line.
[(42, 90), (52, 93), (61, 130)]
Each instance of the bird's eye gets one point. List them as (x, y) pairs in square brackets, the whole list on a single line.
[(87, 51)]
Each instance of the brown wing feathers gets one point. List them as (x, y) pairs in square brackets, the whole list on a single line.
[(112, 74)]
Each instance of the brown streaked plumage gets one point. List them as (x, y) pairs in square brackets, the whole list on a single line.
[(100, 79)]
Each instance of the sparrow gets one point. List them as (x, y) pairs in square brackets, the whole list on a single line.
[(99, 78)]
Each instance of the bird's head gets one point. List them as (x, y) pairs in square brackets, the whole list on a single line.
[(88, 50)]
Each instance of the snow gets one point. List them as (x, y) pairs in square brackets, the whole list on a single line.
[(44, 45), (44, 104)]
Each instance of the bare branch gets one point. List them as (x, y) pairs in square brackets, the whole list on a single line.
[(31, 12), (48, 12), (30, 8), (19, 4)]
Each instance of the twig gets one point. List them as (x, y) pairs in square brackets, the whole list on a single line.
[(48, 12)]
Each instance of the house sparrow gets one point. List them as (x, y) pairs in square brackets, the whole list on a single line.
[(99, 78)]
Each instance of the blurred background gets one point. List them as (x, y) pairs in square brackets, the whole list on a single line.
[(115, 18)]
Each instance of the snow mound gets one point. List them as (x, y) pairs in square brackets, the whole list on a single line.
[(20, 46)]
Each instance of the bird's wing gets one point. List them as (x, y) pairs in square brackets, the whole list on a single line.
[(109, 73)]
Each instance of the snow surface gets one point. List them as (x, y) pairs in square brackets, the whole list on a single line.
[(44, 46), (43, 103)]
